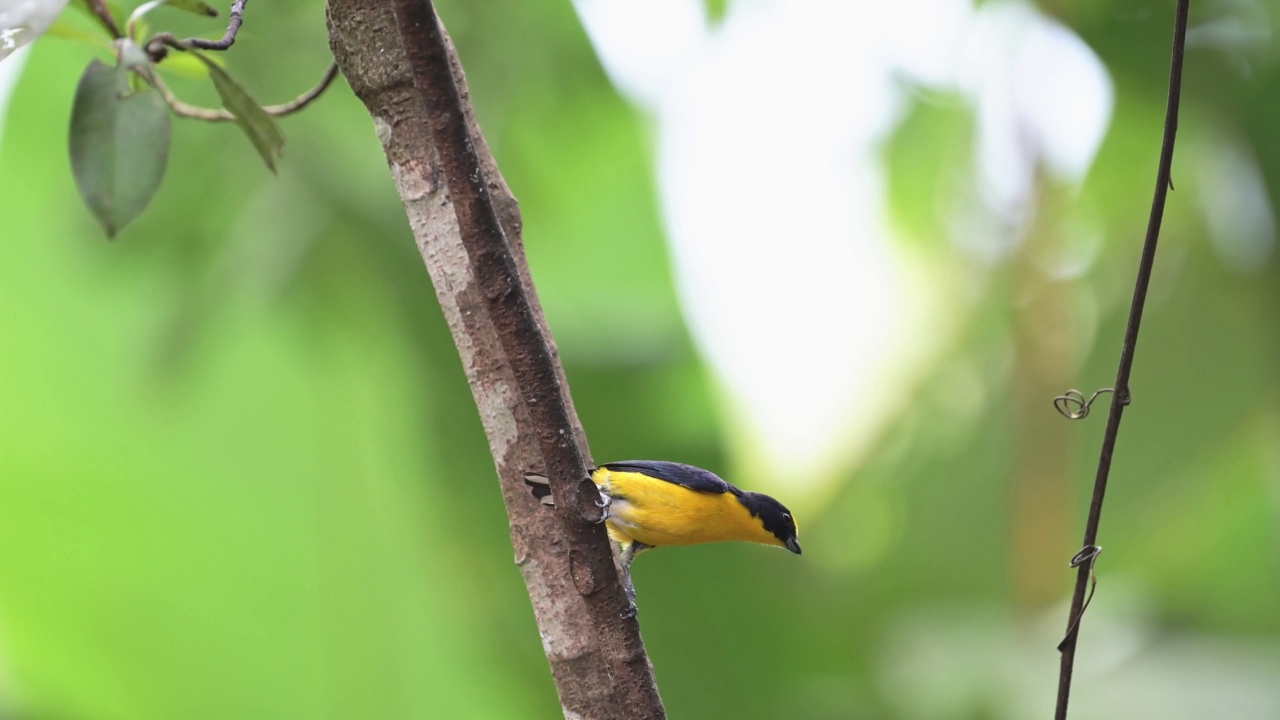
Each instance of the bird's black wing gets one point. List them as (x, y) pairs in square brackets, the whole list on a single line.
[(694, 478)]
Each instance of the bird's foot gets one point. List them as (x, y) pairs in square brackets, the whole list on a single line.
[(603, 503), (630, 588)]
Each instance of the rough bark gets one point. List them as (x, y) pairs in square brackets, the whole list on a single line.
[(597, 659)]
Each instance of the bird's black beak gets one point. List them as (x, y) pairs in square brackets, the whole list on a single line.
[(793, 545)]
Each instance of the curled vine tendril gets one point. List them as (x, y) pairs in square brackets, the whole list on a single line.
[(1089, 554), (1072, 405)]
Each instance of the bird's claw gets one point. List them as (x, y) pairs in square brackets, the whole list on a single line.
[(603, 503), (631, 611)]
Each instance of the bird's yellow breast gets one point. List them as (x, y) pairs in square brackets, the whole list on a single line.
[(657, 512)]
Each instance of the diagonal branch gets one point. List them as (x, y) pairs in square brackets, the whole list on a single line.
[(468, 230), (1121, 398)]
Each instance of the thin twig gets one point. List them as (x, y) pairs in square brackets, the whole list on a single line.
[(102, 13), (509, 307), (233, 27), (158, 47), (1121, 398), (182, 109)]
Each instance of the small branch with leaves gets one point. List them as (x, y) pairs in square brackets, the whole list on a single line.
[(120, 130)]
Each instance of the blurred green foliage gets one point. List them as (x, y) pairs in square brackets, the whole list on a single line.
[(241, 473)]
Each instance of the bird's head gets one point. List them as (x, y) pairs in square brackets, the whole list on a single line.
[(776, 519)]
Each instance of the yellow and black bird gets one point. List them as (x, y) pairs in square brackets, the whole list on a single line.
[(650, 503)]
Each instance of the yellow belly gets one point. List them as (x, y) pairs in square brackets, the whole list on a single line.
[(657, 513)]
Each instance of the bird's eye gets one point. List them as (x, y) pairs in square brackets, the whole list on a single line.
[(786, 516)]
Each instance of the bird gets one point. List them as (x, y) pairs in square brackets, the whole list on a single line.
[(652, 503)]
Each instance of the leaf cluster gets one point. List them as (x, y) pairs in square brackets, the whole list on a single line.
[(120, 127)]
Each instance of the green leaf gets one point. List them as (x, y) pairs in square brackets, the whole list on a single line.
[(250, 117), (119, 144), (66, 30)]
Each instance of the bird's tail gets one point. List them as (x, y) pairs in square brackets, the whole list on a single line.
[(540, 486)]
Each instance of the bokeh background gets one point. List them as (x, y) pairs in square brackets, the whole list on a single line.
[(846, 253)]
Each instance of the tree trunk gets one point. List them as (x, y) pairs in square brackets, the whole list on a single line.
[(597, 658)]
